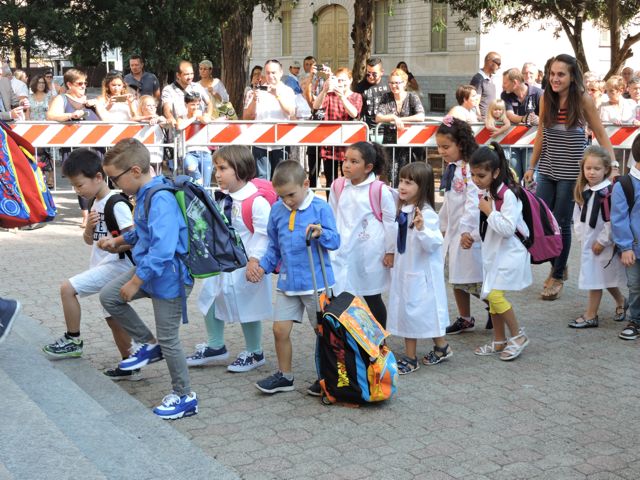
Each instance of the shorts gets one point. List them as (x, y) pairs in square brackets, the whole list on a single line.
[(471, 288), (91, 281), (497, 303), (292, 307)]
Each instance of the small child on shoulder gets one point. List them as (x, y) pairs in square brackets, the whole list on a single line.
[(418, 297), (297, 212)]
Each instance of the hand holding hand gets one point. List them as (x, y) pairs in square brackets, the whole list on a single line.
[(628, 258), (466, 240), (597, 248), (129, 289), (387, 260)]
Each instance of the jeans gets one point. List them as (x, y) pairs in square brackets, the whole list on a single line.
[(518, 160), (267, 161), (558, 195), (633, 282), (199, 166), (168, 316)]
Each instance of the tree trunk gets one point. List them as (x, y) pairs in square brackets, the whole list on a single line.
[(236, 48), (15, 44), (619, 53), (361, 35), (27, 48)]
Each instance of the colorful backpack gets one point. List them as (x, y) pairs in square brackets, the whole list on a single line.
[(544, 241), (24, 196), (375, 194), (214, 245), (265, 190)]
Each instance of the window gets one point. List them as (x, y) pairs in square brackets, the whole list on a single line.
[(438, 26), (381, 26), (285, 20), (605, 38), (437, 102)]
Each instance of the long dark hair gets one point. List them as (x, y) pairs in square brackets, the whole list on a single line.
[(461, 134), (422, 174), (372, 154), (492, 158), (575, 114)]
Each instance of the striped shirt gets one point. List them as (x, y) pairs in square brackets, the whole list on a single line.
[(562, 149)]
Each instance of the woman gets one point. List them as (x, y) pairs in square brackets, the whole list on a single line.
[(468, 101), (565, 111), (256, 79), (39, 100), (412, 83), (340, 104), (213, 86), (617, 110), (595, 89), (74, 105), (396, 107), (117, 104)]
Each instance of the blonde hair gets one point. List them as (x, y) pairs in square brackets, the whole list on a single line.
[(141, 101), (615, 82), (128, 153), (490, 122), (398, 72), (591, 151)]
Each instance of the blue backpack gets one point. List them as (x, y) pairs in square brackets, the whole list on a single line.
[(214, 246)]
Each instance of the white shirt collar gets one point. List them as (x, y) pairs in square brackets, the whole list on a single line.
[(370, 179), (408, 208), (482, 72), (244, 193), (634, 172), (599, 186), (305, 203)]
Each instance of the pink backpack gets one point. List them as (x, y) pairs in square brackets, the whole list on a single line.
[(375, 194), (265, 190), (544, 241)]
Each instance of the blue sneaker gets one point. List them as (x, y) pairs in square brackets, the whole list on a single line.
[(247, 361), (174, 407), (9, 310), (143, 355), (275, 383)]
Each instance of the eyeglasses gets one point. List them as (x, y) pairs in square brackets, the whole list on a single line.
[(48, 76), (116, 179), (497, 62), (396, 84), (80, 84), (372, 74)]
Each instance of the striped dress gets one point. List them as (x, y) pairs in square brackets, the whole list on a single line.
[(562, 149)]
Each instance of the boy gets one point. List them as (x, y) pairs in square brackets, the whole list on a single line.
[(83, 168), (625, 227), (291, 217), (159, 240)]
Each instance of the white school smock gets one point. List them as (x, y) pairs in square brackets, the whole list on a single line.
[(595, 274), (418, 297), (459, 213), (506, 262), (364, 240), (236, 299)]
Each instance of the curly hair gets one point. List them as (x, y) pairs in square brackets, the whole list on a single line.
[(462, 135)]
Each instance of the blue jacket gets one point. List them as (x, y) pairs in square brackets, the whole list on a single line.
[(626, 233), (290, 246), (158, 242)]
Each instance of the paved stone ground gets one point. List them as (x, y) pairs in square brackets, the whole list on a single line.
[(564, 410)]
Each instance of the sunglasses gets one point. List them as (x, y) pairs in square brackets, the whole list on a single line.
[(497, 62), (80, 84), (116, 179), (372, 74)]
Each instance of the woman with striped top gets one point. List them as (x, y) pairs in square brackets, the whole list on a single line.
[(565, 111)]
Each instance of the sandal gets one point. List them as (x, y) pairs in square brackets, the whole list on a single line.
[(582, 322), (513, 348), (552, 292), (407, 365), (432, 358), (490, 348), (621, 312)]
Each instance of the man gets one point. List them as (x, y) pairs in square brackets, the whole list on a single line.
[(275, 101), (19, 84), (372, 88), (173, 105), (146, 82), (307, 63), (627, 74), (291, 80), (633, 87), (483, 83), (10, 108), (530, 74), (522, 104)]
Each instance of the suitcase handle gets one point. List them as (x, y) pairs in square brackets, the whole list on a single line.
[(313, 270)]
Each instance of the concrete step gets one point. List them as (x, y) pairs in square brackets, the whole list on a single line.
[(77, 418)]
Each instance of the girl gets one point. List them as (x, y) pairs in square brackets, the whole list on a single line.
[(148, 113), (505, 259), (497, 113), (599, 266), (235, 298), (361, 263), (418, 299), (459, 218), (197, 161), (116, 104)]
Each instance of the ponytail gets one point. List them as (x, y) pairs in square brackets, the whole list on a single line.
[(372, 154), (492, 158)]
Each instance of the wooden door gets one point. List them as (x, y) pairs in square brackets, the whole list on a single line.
[(333, 37)]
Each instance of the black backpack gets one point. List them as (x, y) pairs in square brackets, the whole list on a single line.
[(110, 218)]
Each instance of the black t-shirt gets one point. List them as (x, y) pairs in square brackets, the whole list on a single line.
[(530, 103), (371, 98), (486, 89)]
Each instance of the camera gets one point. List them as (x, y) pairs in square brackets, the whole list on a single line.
[(263, 87), (120, 98)]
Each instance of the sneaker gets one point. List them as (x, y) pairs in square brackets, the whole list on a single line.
[(144, 355), (461, 325), (275, 383), (247, 361), (9, 310), (315, 390), (117, 374), (631, 332), (204, 355), (64, 347), (174, 407)]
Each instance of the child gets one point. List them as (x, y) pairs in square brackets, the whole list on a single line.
[(197, 161), (83, 167), (625, 226), (298, 211), (364, 258), (497, 113), (159, 240), (236, 299), (599, 267), (505, 259), (459, 219), (418, 298)]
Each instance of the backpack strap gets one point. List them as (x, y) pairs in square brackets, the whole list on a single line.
[(337, 187), (152, 191), (375, 198), (112, 223), (627, 187), (500, 200), (605, 203), (247, 210)]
